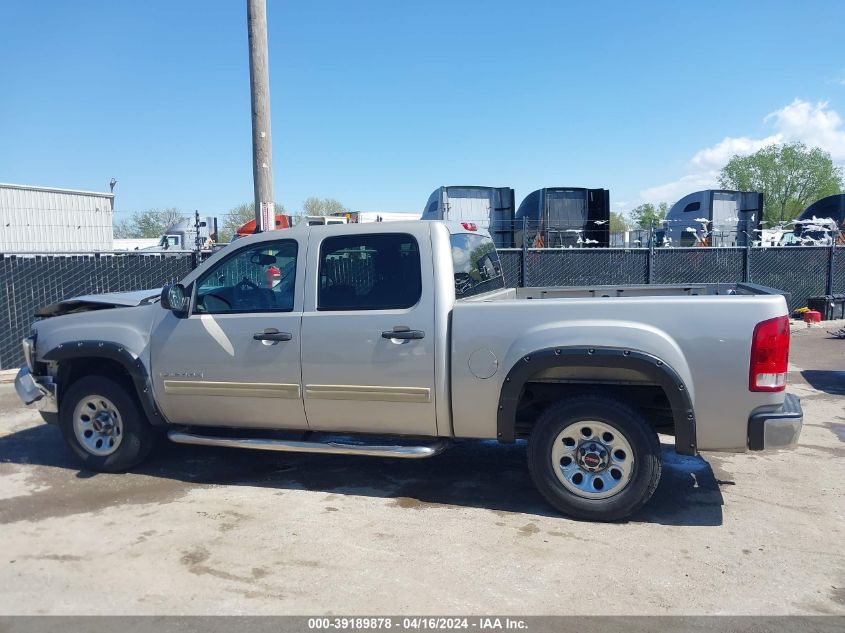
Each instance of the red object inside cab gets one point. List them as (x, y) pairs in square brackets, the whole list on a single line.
[(274, 276)]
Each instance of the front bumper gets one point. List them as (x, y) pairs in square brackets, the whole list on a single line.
[(778, 428), (37, 390)]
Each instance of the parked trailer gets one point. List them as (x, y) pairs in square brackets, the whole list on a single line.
[(715, 217), (48, 220), (563, 217), (362, 217), (490, 208), (322, 220)]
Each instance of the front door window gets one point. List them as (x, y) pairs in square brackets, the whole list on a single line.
[(255, 279)]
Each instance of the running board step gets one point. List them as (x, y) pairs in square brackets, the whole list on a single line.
[(298, 446)]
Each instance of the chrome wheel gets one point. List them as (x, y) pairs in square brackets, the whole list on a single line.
[(592, 459), (97, 425)]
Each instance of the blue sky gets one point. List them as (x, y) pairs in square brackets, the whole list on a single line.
[(379, 103)]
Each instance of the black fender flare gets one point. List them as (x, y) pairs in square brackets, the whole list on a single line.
[(133, 365), (652, 366)]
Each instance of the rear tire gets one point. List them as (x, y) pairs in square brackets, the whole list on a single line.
[(594, 458), (104, 425)]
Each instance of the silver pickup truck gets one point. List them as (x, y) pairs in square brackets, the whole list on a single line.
[(394, 339)]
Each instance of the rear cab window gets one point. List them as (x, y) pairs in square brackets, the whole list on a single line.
[(476, 264)]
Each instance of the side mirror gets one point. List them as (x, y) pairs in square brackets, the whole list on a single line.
[(175, 299)]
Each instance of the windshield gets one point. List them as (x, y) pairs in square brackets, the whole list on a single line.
[(168, 241), (476, 263)]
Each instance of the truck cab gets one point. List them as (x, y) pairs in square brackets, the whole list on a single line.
[(187, 235)]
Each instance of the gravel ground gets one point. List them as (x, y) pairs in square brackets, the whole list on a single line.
[(212, 531)]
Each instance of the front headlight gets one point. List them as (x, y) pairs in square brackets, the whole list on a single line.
[(28, 345)]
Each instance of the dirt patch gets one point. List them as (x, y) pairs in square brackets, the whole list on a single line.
[(62, 558), (195, 560), (529, 529), (62, 495)]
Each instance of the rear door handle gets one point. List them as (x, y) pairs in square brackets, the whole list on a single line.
[(272, 336), (403, 333)]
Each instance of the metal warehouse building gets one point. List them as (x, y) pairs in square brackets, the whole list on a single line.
[(48, 220)]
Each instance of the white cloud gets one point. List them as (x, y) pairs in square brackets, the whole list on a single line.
[(677, 189), (715, 157), (814, 124), (838, 80)]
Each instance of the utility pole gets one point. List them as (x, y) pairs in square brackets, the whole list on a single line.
[(262, 147)]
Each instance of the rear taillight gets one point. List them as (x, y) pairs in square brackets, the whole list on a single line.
[(469, 226), (769, 355)]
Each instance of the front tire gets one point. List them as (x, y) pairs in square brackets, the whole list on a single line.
[(104, 425), (594, 458)]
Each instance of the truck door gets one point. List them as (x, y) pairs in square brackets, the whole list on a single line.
[(234, 361), (368, 331)]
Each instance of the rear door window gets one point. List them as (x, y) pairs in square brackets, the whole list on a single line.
[(379, 271)]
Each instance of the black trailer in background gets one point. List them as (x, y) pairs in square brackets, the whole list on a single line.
[(823, 220), (563, 217)]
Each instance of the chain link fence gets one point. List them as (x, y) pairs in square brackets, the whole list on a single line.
[(585, 267), (29, 282), (802, 272), (511, 261), (698, 265), (838, 282)]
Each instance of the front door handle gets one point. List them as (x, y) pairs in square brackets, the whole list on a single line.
[(403, 333), (272, 336)]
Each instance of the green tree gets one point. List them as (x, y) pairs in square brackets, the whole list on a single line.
[(617, 223), (648, 215), (790, 176), (123, 229), (237, 216), (323, 206), (149, 223)]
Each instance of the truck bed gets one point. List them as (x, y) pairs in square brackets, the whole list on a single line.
[(703, 331)]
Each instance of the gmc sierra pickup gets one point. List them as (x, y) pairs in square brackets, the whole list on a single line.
[(404, 336)]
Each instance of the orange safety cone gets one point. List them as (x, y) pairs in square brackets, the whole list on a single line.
[(812, 316)]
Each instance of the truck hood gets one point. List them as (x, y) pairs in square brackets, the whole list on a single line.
[(104, 301)]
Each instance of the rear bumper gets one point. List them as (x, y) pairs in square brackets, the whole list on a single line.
[(777, 428), (36, 390)]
